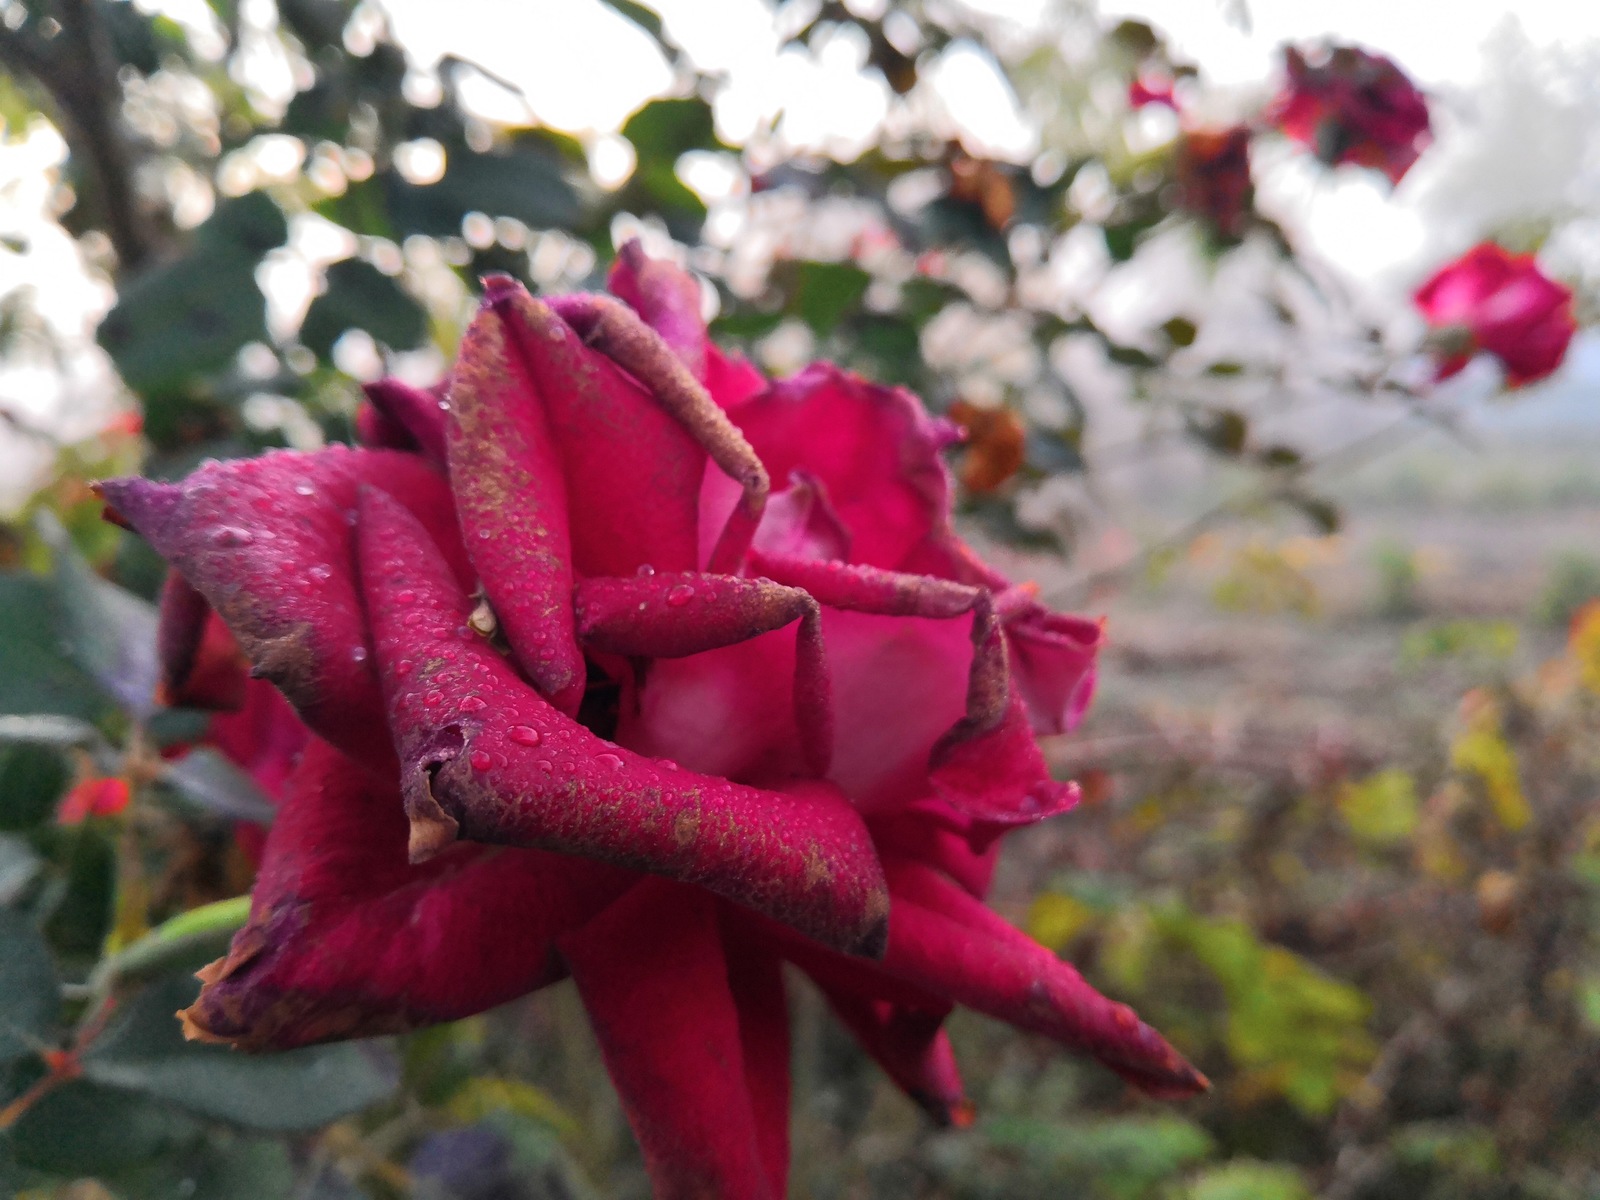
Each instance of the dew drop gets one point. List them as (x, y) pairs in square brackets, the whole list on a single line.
[(404, 667), (321, 573), (231, 535), (405, 596), (411, 619), (645, 569), (545, 764), (473, 704), (304, 489), (680, 595), (480, 760), (610, 760), (433, 698), (358, 654), (524, 735)]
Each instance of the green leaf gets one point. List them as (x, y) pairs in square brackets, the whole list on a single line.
[(48, 729), (143, 1050), (178, 322), (224, 1166), (19, 867), (1245, 1179), (186, 942), (35, 677), (211, 782), (531, 180), (32, 778), (1180, 331), (111, 633), (1381, 809), (825, 291), (30, 994), (81, 1128), (359, 296)]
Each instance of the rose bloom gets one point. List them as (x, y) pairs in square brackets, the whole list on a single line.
[(1352, 106), (1213, 177), (1492, 300), (620, 661)]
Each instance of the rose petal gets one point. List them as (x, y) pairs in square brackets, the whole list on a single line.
[(912, 1048), (201, 665), (482, 753), (654, 979), (348, 939), (684, 613), (1052, 661), (511, 499), (944, 940), (267, 542), (755, 979), (417, 411), (874, 448)]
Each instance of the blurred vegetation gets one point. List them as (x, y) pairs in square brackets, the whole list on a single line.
[(1389, 967)]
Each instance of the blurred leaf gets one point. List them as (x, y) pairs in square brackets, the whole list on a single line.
[(225, 1166), (530, 179), (210, 780), (478, 1098), (143, 1049), (19, 866), (1243, 1179), (30, 994), (81, 1128), (32, 778), (1324, 515), (359, 296), (109, 632), (35, 677), (48, 729), (1484, 753), (825, 291), (1224, 430), (1125, 1156), (185, 942), (177, 322), (1055, 919), (1381, 809), (1180, 331)]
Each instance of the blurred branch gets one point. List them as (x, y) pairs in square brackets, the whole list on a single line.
[(80, 74)]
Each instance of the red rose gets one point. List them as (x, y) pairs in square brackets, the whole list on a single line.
[(1352, 106), (633, 665), (1213, 175), (1501, 303)]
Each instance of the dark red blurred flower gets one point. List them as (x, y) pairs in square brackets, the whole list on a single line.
[(1352, 106), (590, 697), (1213, 177), (1502, 304)]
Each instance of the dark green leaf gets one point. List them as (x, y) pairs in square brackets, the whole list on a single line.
[(81, 1128), (32, 778), (1324, 514), (531, 180), (359, 296), (143, 1049), (30, 994), (109, 632), (35, 677), (225, 1166), (1224, 430), (212, 782), (825, 291), (1180, 331)]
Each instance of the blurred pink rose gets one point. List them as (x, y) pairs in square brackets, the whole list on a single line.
[(1502, 304)]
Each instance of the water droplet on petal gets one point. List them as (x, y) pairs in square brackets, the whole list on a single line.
[(358, 654), (433, 698), (304, 489), (680, 595), (524, 735), (480, 760), (404, 667), (230, 536), (473, 704), (405, 596), (411, 619), (646, 569), (321, 573), (545, 764), (609, 760)]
